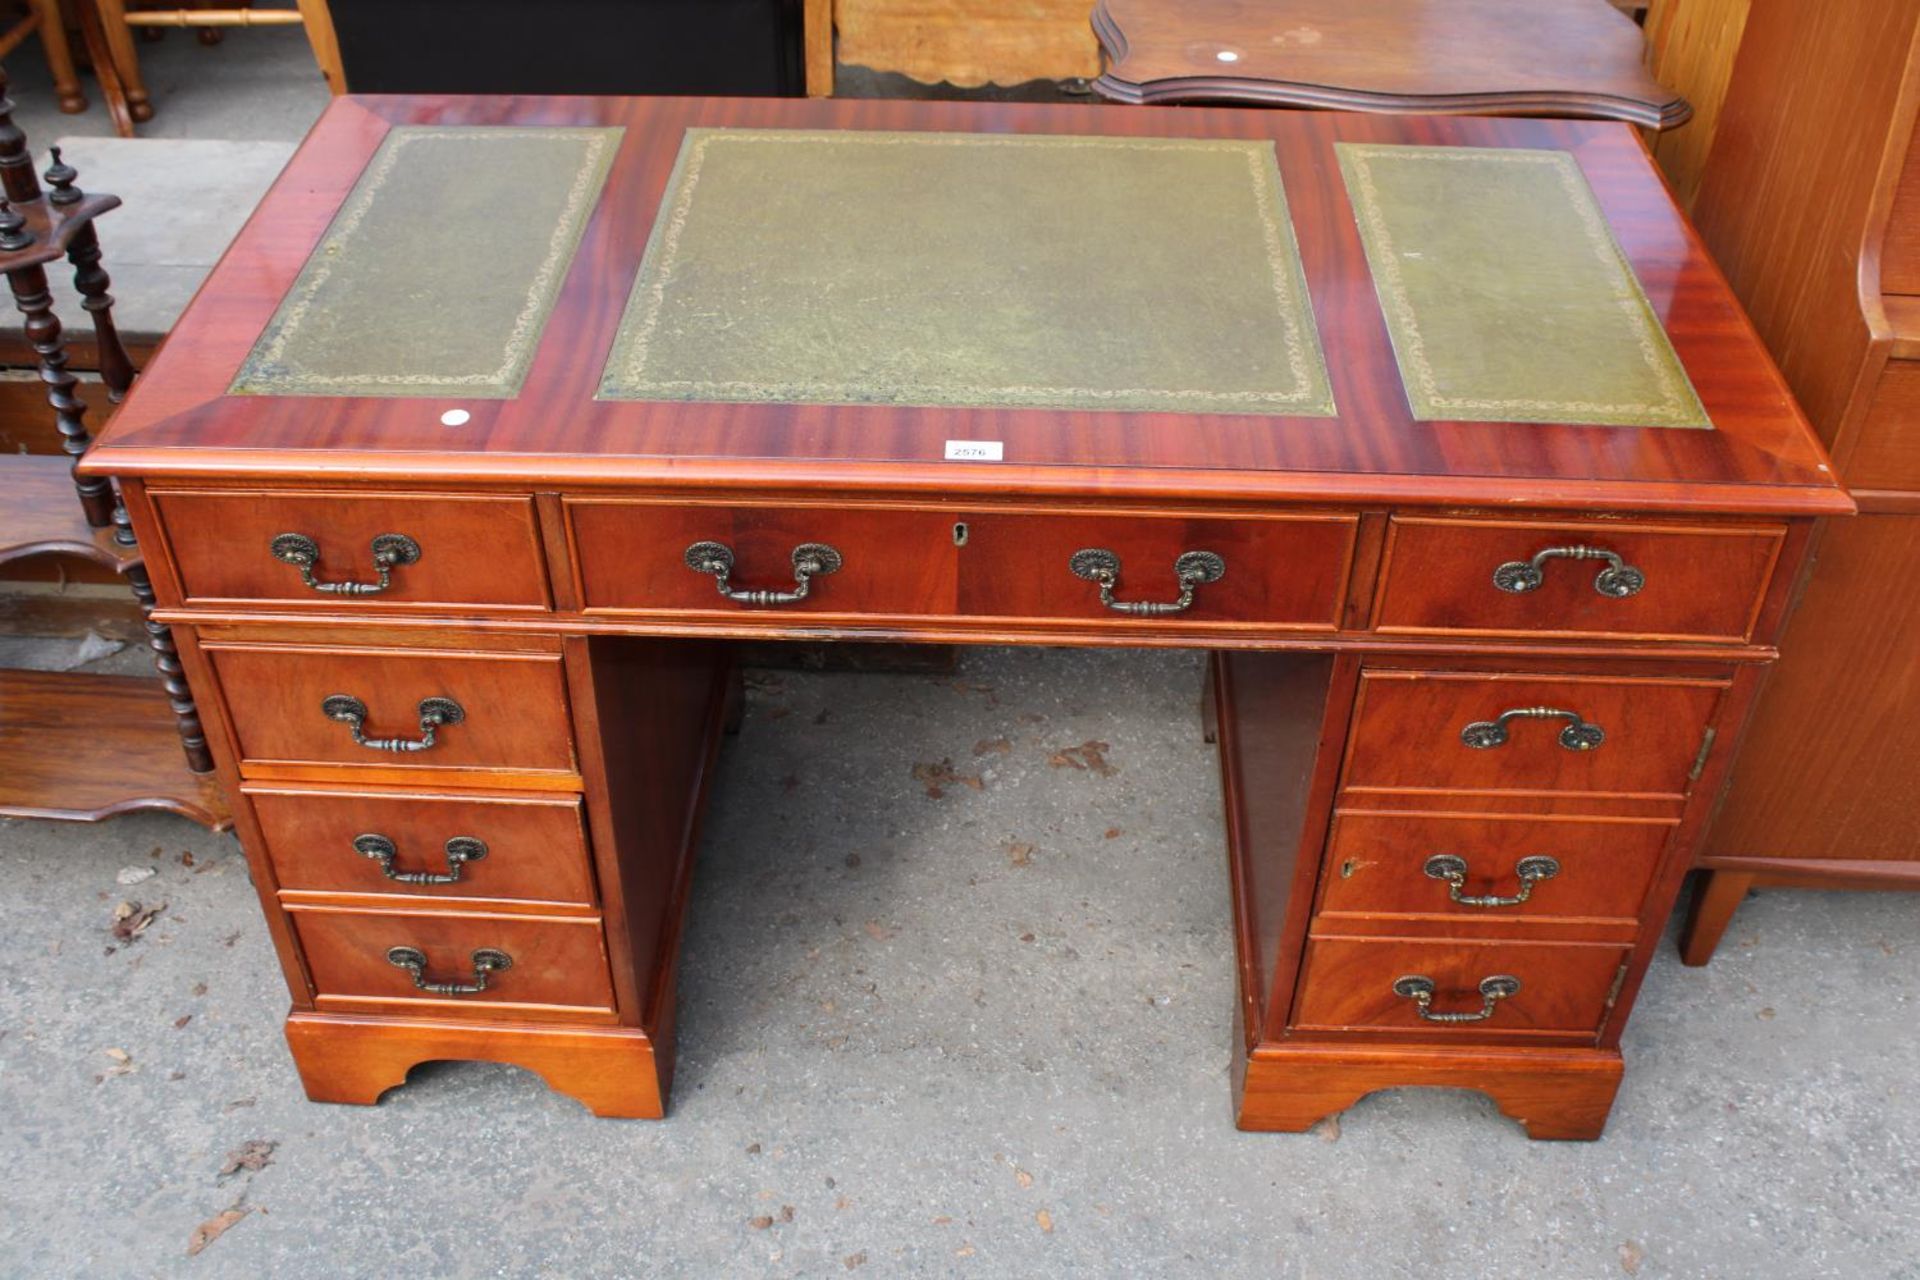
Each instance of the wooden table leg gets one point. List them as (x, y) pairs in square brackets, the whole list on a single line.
[(1715, 899)]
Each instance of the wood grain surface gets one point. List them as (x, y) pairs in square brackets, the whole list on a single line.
[(179, 420)]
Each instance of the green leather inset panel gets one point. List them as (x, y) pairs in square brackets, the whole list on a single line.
[(438, 273), (1505, 292), (982, 270)]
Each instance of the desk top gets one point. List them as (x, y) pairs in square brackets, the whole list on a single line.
[(1215, 305)]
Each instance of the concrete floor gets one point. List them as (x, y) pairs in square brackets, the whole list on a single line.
[(910, 1044), (944, 1053)]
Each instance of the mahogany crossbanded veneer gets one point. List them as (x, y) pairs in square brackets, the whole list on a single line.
[(458, 598), (1499, 57)]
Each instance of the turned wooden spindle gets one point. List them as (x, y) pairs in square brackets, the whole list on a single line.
[(17, 178), (92, 282), (166, 657), (44, 335)]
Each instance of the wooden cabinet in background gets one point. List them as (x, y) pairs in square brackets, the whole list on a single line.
[(1811, 204)]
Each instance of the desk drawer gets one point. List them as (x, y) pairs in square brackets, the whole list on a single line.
[(1272, 571), (1350, 983), (443, 550), (512, 707), (965, 564), (1378, 866), (633, 557), (555, 966), (1471, 731), (1523, 577), (526, 849)]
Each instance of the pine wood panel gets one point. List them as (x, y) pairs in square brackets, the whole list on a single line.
[(968, 43)]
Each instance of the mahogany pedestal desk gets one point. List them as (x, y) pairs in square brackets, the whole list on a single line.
[(503, 418)]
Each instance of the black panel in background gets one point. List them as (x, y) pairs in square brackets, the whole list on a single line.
[(740, 47)]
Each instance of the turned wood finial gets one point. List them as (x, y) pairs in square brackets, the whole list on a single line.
[(16, 164), (61, 176), (13, 227)]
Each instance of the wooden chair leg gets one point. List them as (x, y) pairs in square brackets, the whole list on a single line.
[(318, 19), (1715, 899), (124, 57), (53, 39), (816, 39)]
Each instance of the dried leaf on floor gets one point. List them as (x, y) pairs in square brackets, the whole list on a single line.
[(1631, 1256), (992, 747), (213, 1228), (1019, 853), (122, 1065), (1045, 1220), (936, 778), (879, 932), (964, 1251), (1022, 1177), (1328, 1130), (1113, 833), (786, 1213), (182, 1021), (1089, 755), (760, 1223), (855, 1259), (253, 1156), (130, 919)]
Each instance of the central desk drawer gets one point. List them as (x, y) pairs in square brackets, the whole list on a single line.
[(1472, 731), (425, 846), (1575, 578), (437, 550), (1189, 572), (767, 564), (554, 966), (294, 705), (641, 557), (1350, 983)]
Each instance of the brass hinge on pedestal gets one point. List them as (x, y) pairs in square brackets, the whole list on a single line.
[(1700, 761)]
